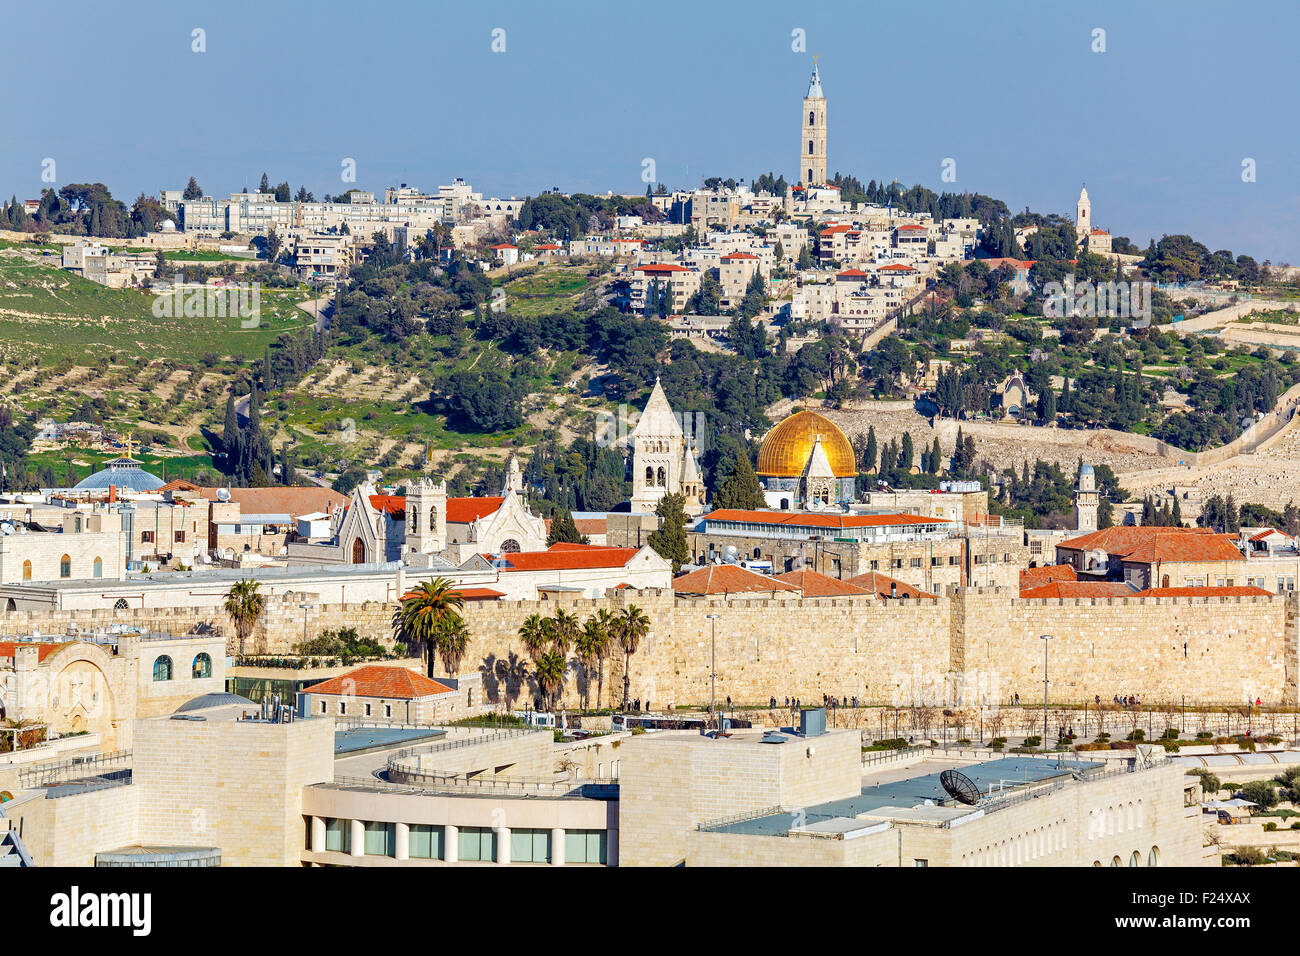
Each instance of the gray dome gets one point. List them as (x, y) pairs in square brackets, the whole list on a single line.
[(123, 473), (1086, 469), (221, 699)]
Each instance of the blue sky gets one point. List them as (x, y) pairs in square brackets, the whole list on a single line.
[(1157, 126)]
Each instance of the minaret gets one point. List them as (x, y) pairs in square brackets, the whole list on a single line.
[(1083, 216), (1086, 501), (812, 144)]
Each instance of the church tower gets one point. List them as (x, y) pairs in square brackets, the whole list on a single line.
[(1086, 501), (426, 516), (692, 483), (812, 145), (1083, 216), (818, 484), (657, 443)]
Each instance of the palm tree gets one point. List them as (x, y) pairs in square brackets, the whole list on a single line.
[(590, 645), (632, 626), (245, 606), (564, 630), (533, 634), (452, 642), (608, 624), (425, 614), (550, 669)]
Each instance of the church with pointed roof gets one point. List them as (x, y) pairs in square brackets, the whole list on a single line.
[(663, 461)]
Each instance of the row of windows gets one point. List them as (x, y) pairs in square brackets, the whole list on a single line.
[(473, 844), (65, 568), (202, 667)]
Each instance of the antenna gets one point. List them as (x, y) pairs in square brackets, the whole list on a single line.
[(960, 787)]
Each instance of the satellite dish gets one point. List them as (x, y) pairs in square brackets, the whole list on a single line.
[(960, 787)]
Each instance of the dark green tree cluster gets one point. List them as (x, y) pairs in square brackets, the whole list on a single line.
[(1221, 514), (248, 460), (669, 541)]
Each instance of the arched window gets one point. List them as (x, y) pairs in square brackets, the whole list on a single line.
[(1153, 858), (510, 546), (433, 519), (649, 475), (162, 668), (358, 551), (812, 117), (810, 147), (415, 521), (1135, 859), (27, 570), (120, 604), (202, 666), (97, 569), (660, 480), (810, 175), (65, 567), (1116, 861)]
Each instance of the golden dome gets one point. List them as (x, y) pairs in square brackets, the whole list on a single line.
[(786, 448)]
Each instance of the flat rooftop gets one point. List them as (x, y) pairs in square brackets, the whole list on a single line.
[(906, 798), (355, 741)]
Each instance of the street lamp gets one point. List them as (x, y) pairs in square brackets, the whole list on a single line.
[(1045, 638), (713, 667)]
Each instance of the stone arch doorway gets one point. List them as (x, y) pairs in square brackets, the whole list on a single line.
[(358, 551), (80, 695)]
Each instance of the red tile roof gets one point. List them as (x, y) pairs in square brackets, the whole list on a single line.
[(1049, 574), (1270, 531), (1078, 589), (897, 268), (504, 245), (662, 267), (590, 526), (816, 584), (392, 505), (45, 650), (883, 586), (729, 579), (566, 557), (852, 273), (465, 510), (738, 255), (479, 594), (804, 520), (901, 228), (1150, 544), (1237, 591), (292, 500), (375, 680)]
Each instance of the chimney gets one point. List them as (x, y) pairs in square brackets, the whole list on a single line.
[(112, 493), (893, 589)]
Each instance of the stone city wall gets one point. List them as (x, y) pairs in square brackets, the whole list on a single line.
[(972, 644)]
